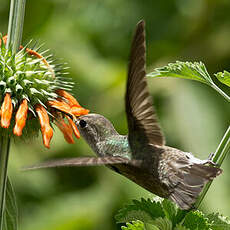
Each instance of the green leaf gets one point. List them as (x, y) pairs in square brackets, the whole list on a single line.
[(223, 77), (163, 223), (11, 210), (162, 214), (135, 225), (218, 222), (195, 220), (169, 208), (180, 227), (135, 215), (144, 210), (150, 227), (187, 70), (172, 212)]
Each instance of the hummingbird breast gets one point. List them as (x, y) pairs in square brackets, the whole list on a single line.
[(162, 170), (145, 173)]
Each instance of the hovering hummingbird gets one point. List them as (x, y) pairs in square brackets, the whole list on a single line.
[(142, 155)]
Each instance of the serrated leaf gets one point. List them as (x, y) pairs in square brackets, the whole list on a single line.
[(136, 215), (144, 210), (223, 77), (180, 227), (135, 225), (170, 210), (187, 70), (11, 210), (150, 227), (180, 215), (163, 223), (195, 220), (218, 222)]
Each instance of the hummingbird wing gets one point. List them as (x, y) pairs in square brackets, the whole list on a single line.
[(79, 161), (142, 120)]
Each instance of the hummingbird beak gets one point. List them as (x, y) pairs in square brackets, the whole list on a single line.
[(71, 116)]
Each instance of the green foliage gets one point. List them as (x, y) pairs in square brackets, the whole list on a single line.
[(11, 210), (180, 227), (223, 77), (193, 71), (135, 225), (196, 220), (163, 223), (187, 70), (219, 222), (162, 214), (144, 210)]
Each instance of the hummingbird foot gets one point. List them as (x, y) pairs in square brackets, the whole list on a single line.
[(211, 156), (209, 162)]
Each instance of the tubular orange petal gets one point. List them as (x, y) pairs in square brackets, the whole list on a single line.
[(78, 111), (7, 110), (47, 131), (66, 130), (20, 118), (36, 54), (74, 127), (71, 100), (4, 40), (59, 105)]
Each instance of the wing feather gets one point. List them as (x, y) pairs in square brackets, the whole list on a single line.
[(142, 120), (79, 161)]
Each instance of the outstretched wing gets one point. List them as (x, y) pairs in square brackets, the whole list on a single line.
[(79, 161), (142, 121)]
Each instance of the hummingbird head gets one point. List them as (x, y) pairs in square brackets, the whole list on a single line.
[(95, 128)]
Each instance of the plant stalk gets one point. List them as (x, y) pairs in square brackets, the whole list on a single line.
[(4, 155), (15, 26), (221, 152), (214, 86)]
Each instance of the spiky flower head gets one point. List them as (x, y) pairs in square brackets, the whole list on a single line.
[(32, 87)]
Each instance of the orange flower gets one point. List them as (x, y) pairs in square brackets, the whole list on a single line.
[(47, 131), (75, 130), (66, 130), (6, 111), (70, 99), (50, 102), (20, 118)]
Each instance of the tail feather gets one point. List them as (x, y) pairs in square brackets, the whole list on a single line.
[(187, 183)]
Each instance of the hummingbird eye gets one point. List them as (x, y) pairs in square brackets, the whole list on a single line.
[(82, 123)]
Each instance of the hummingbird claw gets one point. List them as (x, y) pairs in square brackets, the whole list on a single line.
[(210, 162), (210, 157)]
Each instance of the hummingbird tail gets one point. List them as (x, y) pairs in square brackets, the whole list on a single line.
[(188, 182)]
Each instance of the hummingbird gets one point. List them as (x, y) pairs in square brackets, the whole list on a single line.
[(142, 155)]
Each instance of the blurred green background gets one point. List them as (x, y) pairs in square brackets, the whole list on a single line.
[(94, 37)]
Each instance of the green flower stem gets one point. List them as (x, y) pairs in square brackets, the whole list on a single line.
[(214, 86), (16, 21), (15, 28), (221, 152), (4, 154)]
